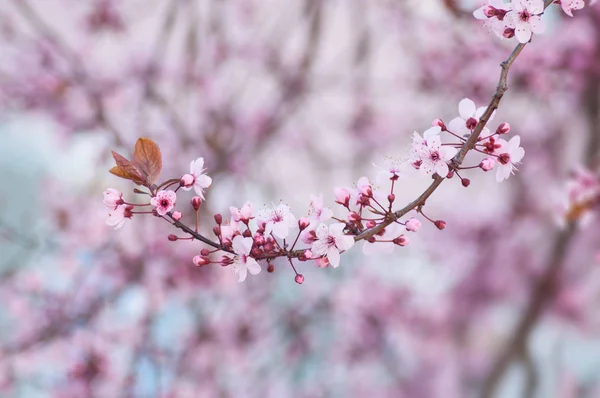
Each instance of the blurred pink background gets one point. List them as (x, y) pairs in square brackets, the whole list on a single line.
[(285, 99)]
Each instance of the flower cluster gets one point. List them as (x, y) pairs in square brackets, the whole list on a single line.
[(247, 242), (519, 18)]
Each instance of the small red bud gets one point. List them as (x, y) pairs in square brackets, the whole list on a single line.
[(256, 252), (218, 219), (199, 261), (271, 268), (450, 174), (440, 224), (204, 252), (465, 182), (196, 202), (217, 230), (371, 239), (173, 238), (299, 279), (247, 234), (371, 224), (269, 247), (391, 198)]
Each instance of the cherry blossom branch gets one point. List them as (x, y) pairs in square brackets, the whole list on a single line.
[(460, 156)]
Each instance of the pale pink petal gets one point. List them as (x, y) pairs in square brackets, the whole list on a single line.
[(333, 255), (253, 266), (466, 108)]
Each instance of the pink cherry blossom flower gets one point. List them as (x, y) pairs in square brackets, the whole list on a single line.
[(569, 6), (244, 214), (116, 217), (469, 117), (391, 232), (243, 263), (393, 170), (196, 179), (432, 156), (342, 196), (509, 154), (229, 230), (413, 225), (526, 17), (331, 241), (164, 201), (278, 221), (364, 187), (316, 210), (113, 198)]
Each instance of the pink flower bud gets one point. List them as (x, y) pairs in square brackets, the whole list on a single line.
[(204, 252), (371, 224), (187, 181), (196, 202), (218, 218), (354, 216), (172, 238), (271, 268), (465, 182), (391, 197), (413, 225), (217, 230), (303, 223), (504, 128), (401, 240), (440, 123), (199, 261), (299, 279), (487, 164), (226, 261), (342, 196), (307, 254), (440, 224), (176, 215)]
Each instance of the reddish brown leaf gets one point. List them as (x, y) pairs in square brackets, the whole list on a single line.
[(147, 158), (126, 169)]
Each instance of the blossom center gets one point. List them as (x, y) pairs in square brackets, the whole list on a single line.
[(471, 123), (524, 16), (435, 156), (164, 203), (330, 241), (504, 158)]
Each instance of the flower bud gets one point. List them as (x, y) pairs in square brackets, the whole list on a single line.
[(204, 252), (439, 122), (196, 202), (342, 196), (450, 174), (187, 181), (199, 261), (391, 198), (303, 223), (299, 279), (487, 164), (217, 230), (176, 215), (440, 224), (413, 225), (173, 238), (371, 224), (465, 182), (307, 254), (354, 217), (218, 218), (271, 268), (504, 128), (401, 240)]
